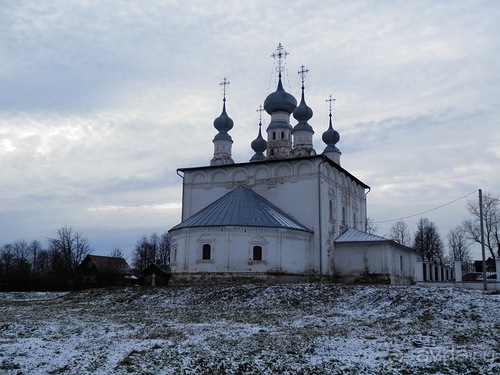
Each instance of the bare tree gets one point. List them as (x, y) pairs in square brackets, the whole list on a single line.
[(458, 245), (155, 249), (34, 249), (22, 266), (143, 254), (371, 227), (427, 240), (21, 250), (400, 233), (164, 249), (43, 263), (57, 265), (7, 258), (116, 253), (491, 222), (14, 261), (72, 248)]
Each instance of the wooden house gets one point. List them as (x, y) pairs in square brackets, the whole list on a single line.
[(97, 270)]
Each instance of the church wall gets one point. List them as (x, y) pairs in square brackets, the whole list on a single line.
[(231, 250), (291, 185), (367, 261), (342, 207), (281, 183)]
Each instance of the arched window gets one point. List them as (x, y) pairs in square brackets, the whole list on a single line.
[(343, 217), (206, 252), (257, 253), (331, 210), (354, 220), (282, 135)]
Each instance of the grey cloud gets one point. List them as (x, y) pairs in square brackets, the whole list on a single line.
[(102, 101)]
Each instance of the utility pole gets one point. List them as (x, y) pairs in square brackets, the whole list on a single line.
[(485, 284)]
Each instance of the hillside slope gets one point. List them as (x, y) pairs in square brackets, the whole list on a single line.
[(304, 328)]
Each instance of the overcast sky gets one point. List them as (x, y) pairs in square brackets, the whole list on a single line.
[(101, 102)]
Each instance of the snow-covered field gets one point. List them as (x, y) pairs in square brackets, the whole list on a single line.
[(305, 328)]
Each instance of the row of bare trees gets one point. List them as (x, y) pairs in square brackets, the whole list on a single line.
[(427, 239), (29, 265)]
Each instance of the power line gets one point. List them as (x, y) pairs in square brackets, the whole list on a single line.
[(424, 212)]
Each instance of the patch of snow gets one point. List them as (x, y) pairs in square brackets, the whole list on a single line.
[(253, 328)]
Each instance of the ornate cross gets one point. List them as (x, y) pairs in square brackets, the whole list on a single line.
[(331, 101), (225, 83), (260, 110), (302, 73), (280, 54)]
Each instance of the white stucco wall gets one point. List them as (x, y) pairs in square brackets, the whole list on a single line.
[(358, 258), (232, 250)]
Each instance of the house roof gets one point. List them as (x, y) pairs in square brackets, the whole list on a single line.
[(106, 264), (242, 207), (164, 268), (354, 235)]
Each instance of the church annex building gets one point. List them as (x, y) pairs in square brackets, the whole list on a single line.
[(288, 211)]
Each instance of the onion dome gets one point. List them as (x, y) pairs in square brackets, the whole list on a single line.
[(302, 114), (331, 137), (280, 100), (223, 123), (223, 141), (259, 145)]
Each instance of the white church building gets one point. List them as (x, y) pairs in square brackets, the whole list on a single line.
[(288, 211)]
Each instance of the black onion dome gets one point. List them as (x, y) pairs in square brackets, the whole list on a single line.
[(303, 112), (223, 123), (259, 144), (331, 136), (280, 100)]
